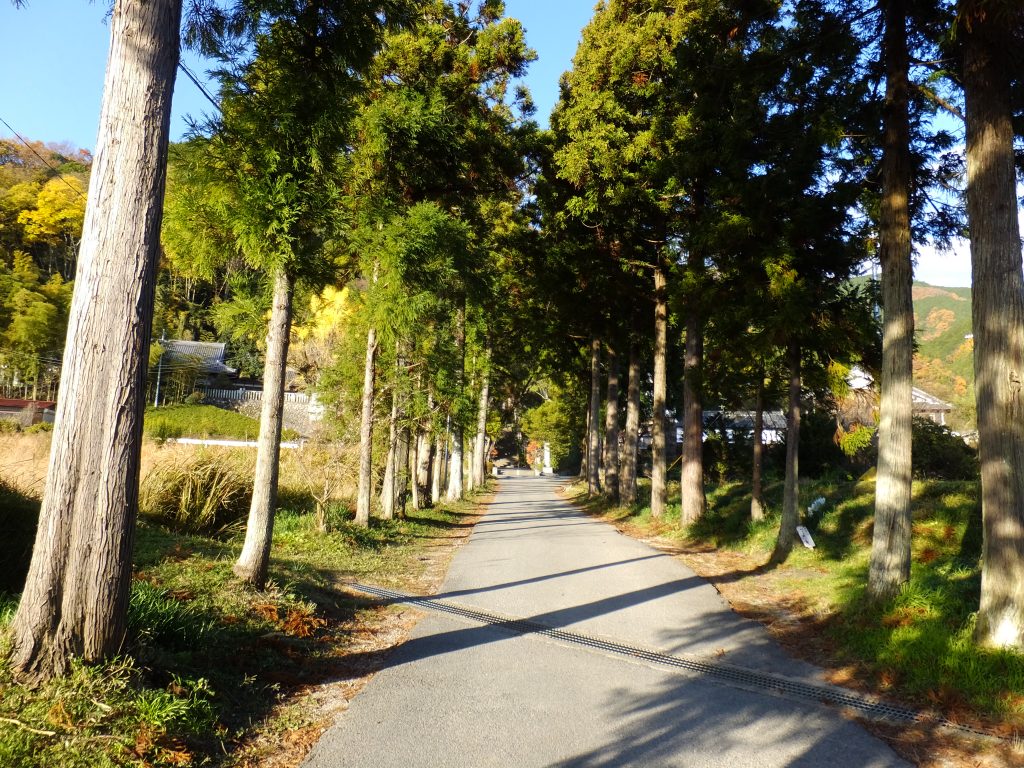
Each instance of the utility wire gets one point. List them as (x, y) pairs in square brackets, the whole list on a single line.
[(199, 85), (43, 159)]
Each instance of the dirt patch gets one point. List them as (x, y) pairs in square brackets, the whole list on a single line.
[(930, 291)]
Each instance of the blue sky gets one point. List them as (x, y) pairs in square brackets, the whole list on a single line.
[(53, 54)]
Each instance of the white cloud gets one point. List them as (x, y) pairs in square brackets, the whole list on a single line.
[(948, 269), (951, 268)]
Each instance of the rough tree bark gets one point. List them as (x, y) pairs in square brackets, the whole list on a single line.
[(424, 462), (890, 545), (659, 491), (76, 595), (594, 420), (387, 488), (455, 489), (791, 491), (365, 490), (611, 430), (756, 490), (437, 471), (402, 472), (584, 470), (998, 315), (479, 468), (627, 476), (259, 531), (691, 482)]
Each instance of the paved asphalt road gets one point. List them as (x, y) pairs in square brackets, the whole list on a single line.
[(461, 693)]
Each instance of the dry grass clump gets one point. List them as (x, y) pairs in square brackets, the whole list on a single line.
[(201, 492), (23, 460)]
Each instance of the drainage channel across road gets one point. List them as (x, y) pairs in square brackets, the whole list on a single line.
[(858, 703)]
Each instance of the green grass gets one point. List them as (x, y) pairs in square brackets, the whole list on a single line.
[(202, 421), (209, 663), (917, 645)]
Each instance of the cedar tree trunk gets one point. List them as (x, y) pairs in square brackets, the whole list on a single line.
[(365, 491), (259, 531), (387, 489), (627, 477), (890, 546), (437, 472), (691, 485), (757, 491), (76, 595), (402, 472), (611, 430), (593, 422), (998, 315), (455, 491), (791, 492), (659, 490), (479, 468)]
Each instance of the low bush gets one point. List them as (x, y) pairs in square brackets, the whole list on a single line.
[(200, 493), (939, 454)]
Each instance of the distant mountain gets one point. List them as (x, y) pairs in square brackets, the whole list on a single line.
[(943, 365)]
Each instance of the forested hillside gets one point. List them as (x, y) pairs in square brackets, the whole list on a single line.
[(943, 365), (42, 206)]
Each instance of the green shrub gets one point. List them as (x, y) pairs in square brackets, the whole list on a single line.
[(43, 426), (195, 398), (200, 493), (9, 426), (939, 454)]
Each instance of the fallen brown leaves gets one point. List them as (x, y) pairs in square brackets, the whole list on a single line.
[(348, 653)]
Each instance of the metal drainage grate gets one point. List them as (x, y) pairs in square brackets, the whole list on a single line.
[(865, 705)]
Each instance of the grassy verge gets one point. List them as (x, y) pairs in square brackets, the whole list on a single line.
[(916, 647), (203, 421), (213, 673)]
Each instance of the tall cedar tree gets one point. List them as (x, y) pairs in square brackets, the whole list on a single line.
[(992, 37), (439, 130), (279, 140), (76, 596), (890, 547)]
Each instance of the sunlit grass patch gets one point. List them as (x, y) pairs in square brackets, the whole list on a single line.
[(202, 421)]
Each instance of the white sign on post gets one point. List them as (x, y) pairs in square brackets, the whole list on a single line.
[(805, 536)]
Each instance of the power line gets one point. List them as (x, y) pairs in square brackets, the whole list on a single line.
[(43, 159), (199, 85)]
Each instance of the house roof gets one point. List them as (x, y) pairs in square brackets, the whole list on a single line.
[(859, 379), (8, 403), (925, 402), (208, 355), (744, 420)]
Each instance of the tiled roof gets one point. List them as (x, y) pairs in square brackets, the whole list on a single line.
[(209, 355)]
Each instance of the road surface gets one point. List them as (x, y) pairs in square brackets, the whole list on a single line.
[(461, 692)]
